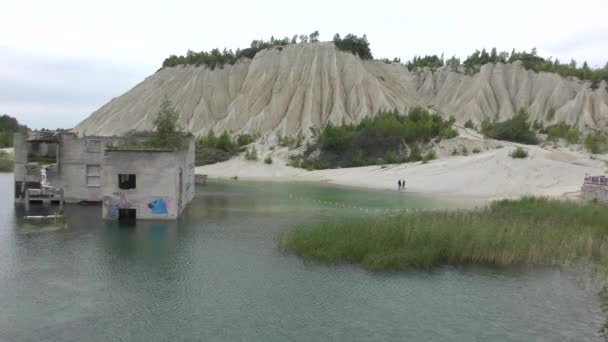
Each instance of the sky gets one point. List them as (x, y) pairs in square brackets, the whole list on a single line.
[(61, 60)]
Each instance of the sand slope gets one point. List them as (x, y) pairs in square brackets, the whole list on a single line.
[(306, 85), (489, 174)]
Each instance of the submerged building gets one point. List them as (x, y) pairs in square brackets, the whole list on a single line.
[(130, 182), (595, 188)]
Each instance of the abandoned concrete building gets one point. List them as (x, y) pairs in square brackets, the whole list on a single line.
[(595, 188), (131, 183)]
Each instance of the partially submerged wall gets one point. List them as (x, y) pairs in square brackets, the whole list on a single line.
[(595, 188), (164, 182)]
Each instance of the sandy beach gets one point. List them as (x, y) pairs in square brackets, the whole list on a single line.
[(489, 174)]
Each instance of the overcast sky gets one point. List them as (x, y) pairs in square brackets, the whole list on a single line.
[(61, 60)]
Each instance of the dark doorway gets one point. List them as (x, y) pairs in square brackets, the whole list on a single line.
[(127, 216), (126, 182)]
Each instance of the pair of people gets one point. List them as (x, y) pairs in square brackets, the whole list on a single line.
[(401, 184)]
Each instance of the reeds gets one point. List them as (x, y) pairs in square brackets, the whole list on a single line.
[(528, 230)]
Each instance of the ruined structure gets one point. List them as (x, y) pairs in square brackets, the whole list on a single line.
[(147, 183), (131, 183), (595, 188)]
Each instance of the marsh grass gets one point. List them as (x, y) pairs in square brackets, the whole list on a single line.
[(6, 162), (525, 231)]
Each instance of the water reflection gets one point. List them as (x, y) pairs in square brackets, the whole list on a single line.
[(216, 275)]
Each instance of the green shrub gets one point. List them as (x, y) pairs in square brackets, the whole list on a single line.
[(294, 161), (572, 136), (268, 160), (251, 154), (554, 133), (551, 114), (387, 136), (356, 45), (291, 142), (415, 154), (519, 153), (596, 142), (469, 124), (245, 139), (430, 155), (476, 150), (212, 149), (167, 133), (516, 129), (6, 162), (465, 151), (562, 131)]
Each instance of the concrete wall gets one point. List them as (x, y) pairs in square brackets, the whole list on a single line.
[(69, 172), (157, 193), (20, 155), (594, 192)]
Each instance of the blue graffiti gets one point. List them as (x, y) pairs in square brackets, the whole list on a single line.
[(158, 206)]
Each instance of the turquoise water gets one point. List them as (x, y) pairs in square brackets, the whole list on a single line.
[(216, 275)]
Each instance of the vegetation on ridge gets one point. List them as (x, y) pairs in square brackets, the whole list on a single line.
[(528, 230), (360, 46), (211, 149), (386, 138), (515, 129), (8, 126), (529, 60), (217, 59)]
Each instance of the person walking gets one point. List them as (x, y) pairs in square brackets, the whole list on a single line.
[(403, 184), (399, 184)]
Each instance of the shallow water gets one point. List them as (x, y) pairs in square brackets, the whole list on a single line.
[(217, 275)]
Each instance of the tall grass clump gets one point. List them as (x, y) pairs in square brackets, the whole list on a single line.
[(525, 231), (519, 153), (6, 162)]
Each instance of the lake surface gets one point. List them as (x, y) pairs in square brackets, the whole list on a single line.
[(216, 275)]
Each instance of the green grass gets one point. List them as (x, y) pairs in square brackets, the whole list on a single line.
[(519, 153), (525, 231), (6, 162)]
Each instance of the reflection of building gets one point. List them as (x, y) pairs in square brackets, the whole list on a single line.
[(131, 182), (595, 188)]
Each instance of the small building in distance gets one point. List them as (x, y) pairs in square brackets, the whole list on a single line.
[(130, 182), (595, 188)]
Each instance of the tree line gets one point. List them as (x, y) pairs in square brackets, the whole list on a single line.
[(360, 46), (8, 126), (530, 60), (217, 59)]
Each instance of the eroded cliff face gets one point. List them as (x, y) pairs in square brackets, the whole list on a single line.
[(289, 90)]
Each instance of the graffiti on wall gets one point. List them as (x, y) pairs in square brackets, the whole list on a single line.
[(118, 200), (158, 206)]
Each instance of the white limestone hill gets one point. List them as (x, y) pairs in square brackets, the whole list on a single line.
[(303, 85)]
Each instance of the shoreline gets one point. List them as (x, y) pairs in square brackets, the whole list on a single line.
[(489, 175)]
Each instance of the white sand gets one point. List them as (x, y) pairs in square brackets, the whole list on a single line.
[(490, 174), (303, 85)]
